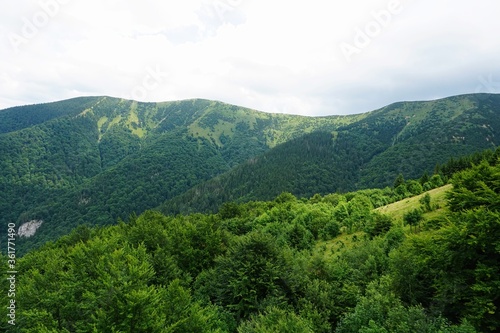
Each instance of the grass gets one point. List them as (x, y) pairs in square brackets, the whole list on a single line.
[(133, 119), (221, 128), (332, 248), (398, 209), (279, 129), (100, 124)]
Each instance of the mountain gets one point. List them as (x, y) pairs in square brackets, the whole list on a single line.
[(96, 159), (93, 160), (406, 138)]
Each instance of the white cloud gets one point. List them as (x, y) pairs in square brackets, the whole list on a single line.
[(279, 56)]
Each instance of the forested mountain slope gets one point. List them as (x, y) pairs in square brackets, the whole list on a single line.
[(96, 159), (327, 264), (406, 138), (93, 160), (433, 132)]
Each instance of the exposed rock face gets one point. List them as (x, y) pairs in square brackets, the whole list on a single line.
[(28, 229)]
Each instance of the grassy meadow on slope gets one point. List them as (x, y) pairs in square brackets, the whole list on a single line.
[(397, 210)]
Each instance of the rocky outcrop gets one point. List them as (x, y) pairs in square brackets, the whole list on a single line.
[(28, 229)]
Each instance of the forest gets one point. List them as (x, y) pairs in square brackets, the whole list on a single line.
[(328, 263), (94, 160)]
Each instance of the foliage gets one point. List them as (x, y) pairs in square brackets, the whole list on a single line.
[(275, 321), (381, 311), (266, 267), (413, 218), (330, 263), (248, 275), (380, 225), (425, 201), (454, 270), (97, 159), (476, 187), (182, 272)]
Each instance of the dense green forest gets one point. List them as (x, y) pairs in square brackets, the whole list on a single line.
[(94, 160), (406, 138), (330, 263)]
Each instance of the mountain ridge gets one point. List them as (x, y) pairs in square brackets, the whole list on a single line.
[(96, 159), (397, 133)]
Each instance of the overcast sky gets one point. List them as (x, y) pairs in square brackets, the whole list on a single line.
[(314, 57)]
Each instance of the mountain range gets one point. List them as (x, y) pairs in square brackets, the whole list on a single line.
[(94, 160)]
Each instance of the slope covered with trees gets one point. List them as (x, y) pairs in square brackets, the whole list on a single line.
[(403, 138), (96, 159), (325, 264), (433, 133)]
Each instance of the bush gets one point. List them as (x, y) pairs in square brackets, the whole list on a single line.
[(330, 230), (381, 224)]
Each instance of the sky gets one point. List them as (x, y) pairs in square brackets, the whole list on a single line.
[(314, 57)]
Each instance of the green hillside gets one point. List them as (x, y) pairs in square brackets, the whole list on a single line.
[(433, 132), (404, 138), (17, 118), (325, 264), (398, 209), (93, 160)]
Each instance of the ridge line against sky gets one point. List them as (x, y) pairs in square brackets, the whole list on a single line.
[(312, 57), (264, 111)]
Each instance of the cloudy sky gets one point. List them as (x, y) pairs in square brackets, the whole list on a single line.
[(314, 57)]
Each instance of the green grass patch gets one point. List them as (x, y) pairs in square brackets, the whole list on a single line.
[(133, 122), (101, 122), (438, 199), (333, 247)]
